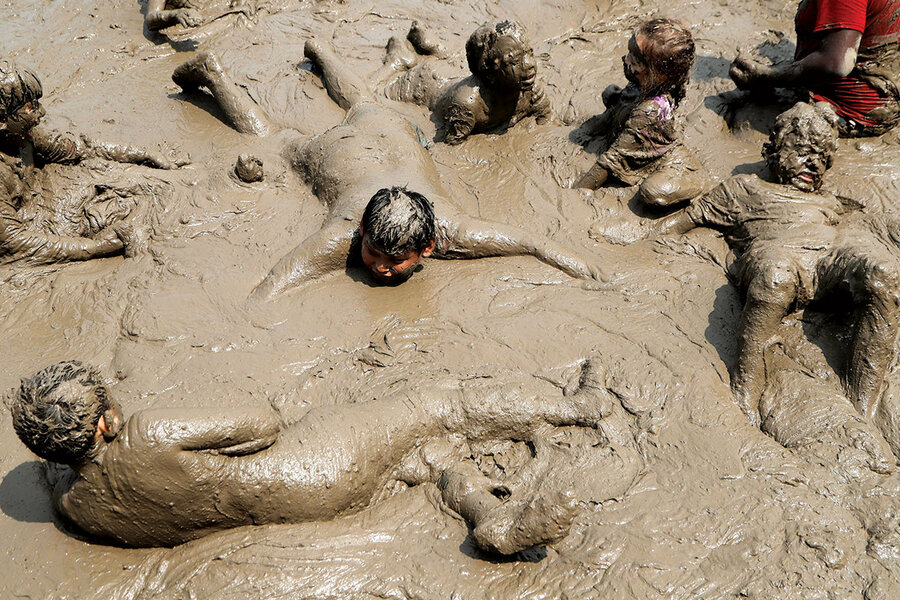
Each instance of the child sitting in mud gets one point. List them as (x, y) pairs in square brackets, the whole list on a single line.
[(23, 146), (640, 128), (165, 476), (795, 244), (355, 169), (502, 89)]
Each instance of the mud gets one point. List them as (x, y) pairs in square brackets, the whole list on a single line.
[(709, 507)]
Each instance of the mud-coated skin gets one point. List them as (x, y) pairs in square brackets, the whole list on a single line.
[(375, 148), (795, 246), (476, 103), (18, 243), (165, 13), (172, 475), (644, 146)]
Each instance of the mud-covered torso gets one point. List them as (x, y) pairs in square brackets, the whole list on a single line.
[(750, 211), (468, 106), (374, 148), (641, 132)]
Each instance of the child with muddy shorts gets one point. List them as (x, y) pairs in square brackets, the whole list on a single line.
[(644, 137), (166, 476)]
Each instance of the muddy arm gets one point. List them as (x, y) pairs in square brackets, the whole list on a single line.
[(477, 239), (321, 253), (232, 432), (159, 18), (835, 57), (18, 243), (54, 147)]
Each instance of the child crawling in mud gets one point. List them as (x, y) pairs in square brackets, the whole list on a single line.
[(502, 89), (643, 135), (166, 476), (355, 168), (797, 244), (24, 145)]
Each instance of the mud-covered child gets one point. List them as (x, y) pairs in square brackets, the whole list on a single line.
[(639, 125), (165, 476), (25, 146)]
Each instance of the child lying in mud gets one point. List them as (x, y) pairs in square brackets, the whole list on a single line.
[(23, 142), (795, 244), (165, 476), (355, 169), (639, 124), (501, 90)]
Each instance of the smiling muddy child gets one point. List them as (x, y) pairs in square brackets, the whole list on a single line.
[(639, 126)]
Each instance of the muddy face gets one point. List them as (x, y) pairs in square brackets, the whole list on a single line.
[(800, 161), (22, 121), (802, 145), (515, 65), (391, 269)]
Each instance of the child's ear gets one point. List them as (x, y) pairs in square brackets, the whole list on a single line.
[(362, 230), (426, 252)]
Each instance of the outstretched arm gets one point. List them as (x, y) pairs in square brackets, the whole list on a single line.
[(54, 147), (835, 57), (159, 18), (321, 253), (17, 243), (475, 238), (232, 432)]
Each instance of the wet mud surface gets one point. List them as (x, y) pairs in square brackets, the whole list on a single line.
[(805, 507)]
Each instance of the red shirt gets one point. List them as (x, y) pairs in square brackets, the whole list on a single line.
[(879, 23)]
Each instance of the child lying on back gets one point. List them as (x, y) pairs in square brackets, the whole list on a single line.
[(639, 122)]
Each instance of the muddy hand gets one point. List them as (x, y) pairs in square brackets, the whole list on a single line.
[(748, 73), (188, 18)]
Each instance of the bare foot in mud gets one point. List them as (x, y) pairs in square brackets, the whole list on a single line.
[(424, 42), (536, 521), (200, 71), (400, 55)]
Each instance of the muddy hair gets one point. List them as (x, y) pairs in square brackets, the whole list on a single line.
[(818, 121), (18, 87), (669, 50), (398, 221), (480, 53), (55, 424)]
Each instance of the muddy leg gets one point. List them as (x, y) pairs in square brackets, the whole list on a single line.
[(424, 41), (204, 70), (343, 86), (877, 293), (533, 511), (769, 296), (670, 186)]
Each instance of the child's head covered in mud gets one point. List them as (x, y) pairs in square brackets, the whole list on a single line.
[(802, 144), (396, 232), (63, 411), (501, 55), (20, 90), (659, 59)]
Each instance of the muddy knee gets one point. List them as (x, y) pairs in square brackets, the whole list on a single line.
[(881, 284), (773, 284), (665, 189)]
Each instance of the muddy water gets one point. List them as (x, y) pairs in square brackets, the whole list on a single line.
[(803, 509)]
